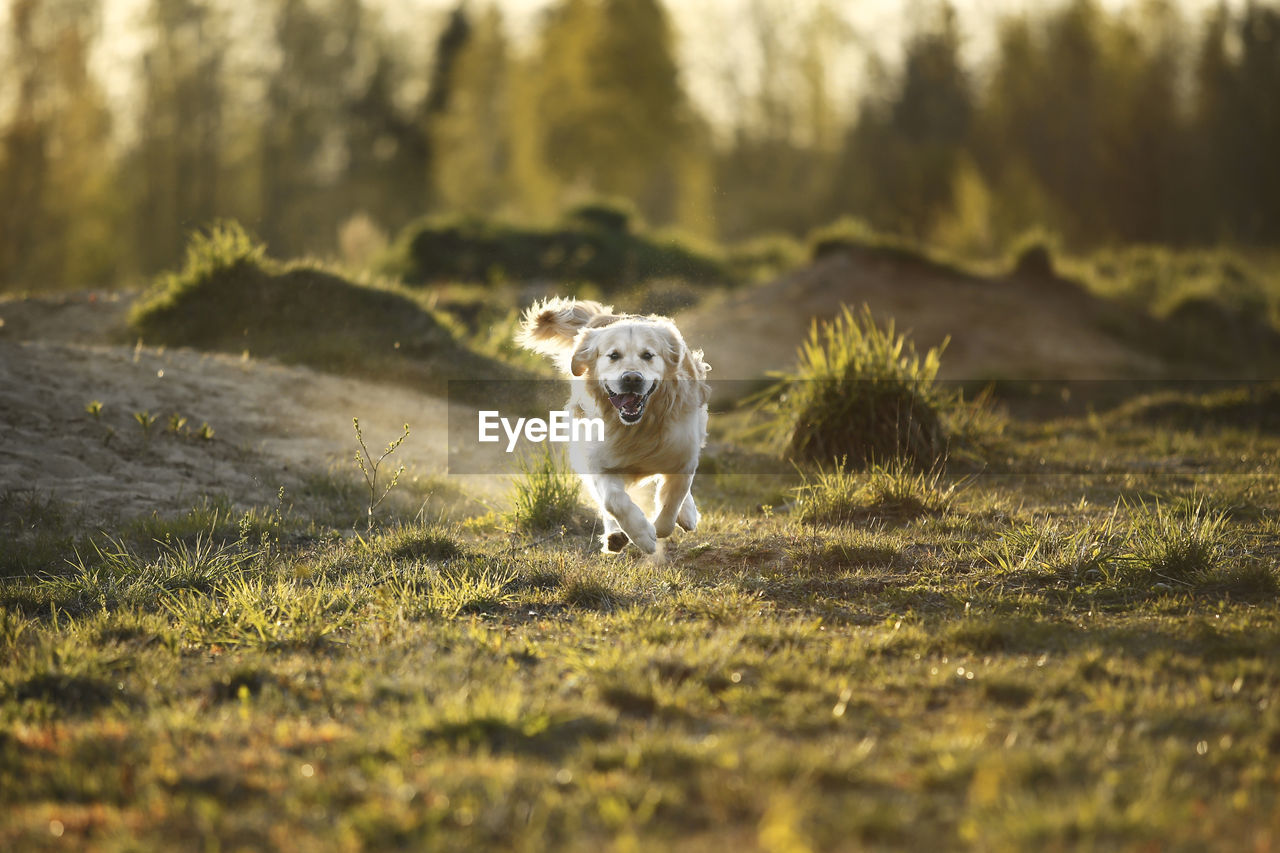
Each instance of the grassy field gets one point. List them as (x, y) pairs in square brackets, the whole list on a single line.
[(1077, 647), (1033, 630)]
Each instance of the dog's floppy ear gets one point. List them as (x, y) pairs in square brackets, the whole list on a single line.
[(584, 352), (688, 370), (685, 361)]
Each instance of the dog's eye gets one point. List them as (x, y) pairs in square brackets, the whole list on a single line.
[(647, 356), (615, 355)]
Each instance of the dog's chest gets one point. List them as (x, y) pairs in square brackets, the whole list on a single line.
[(655, 448)]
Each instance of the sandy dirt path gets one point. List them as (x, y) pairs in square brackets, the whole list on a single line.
[(273, 426)]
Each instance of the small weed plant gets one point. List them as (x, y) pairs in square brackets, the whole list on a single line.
[(369, 468), (146, 421)]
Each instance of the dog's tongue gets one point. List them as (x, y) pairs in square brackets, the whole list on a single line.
[(625, 402)]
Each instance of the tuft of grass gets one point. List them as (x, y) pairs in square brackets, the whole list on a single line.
[(546, 494), (474, 589), (416, 543), (1184, 544), (1089, 553), (115, 574), (838, 495), (859, 394)]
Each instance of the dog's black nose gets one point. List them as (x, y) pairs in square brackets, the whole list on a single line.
[(632, 382)]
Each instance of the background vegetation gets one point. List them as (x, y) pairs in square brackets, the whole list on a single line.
[(1003, 626), (318, 123)]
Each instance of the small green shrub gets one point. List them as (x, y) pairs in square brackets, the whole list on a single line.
[(764, 258), (595, 243), (861, 394), (223, 248), (615, 214), (546, 494)]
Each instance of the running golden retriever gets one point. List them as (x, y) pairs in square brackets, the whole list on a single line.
[(637, 375)]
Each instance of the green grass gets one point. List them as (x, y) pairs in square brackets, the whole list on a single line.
[(893, 491), (546, 494), (1077, 647)]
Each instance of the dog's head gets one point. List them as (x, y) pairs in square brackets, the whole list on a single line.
[(627, 363)]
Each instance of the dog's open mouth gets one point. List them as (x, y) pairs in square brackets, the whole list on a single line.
[(630, 405)]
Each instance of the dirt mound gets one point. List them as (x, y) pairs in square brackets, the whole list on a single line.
[(307, 316), (1014, 327), (86, 317)]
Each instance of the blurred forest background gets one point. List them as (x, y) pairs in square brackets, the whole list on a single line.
[(326, 126)]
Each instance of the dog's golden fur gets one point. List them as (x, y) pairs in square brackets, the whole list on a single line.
[(658, 432)]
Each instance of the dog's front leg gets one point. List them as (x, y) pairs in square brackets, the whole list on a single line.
[(672, 491), (688, 517), (613, 540), (612, 491)]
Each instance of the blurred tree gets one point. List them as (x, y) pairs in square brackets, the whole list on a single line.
[(59, 212), (612, 113), (305, 150), (1043, 121), (387, 148), (1144, 153), (450, 46), (1237, 124), (176, 165), (471, 132), (897, 169), (775, 169)]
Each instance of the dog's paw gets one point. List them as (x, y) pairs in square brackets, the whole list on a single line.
[(688, 518), (646, 540), (663, 529), (615, 542)]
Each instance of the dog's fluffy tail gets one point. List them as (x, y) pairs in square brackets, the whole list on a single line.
[(550, 326)]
